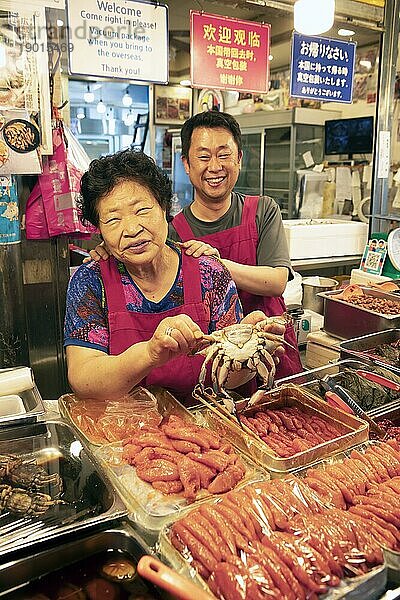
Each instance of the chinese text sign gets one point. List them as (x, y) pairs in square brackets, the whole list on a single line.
[(229, 53), (322, 69), (124, 39)]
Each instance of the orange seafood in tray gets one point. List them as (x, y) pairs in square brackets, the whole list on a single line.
[(289, 430), (180, 457), (296, 538)]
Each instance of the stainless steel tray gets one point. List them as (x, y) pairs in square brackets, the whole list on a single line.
[(345, 320), (22, 408), (89, 499), (289, 395), (18, 575), (358, 347), (309, 379)]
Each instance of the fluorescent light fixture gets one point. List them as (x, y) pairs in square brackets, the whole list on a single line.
[(185, 82), (346, 32), (60, 23), (80, 113), (366, 63), (88, 96), (127, 98), (101, 107), (312, 20)]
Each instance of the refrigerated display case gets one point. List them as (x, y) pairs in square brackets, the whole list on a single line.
[(275, 145)]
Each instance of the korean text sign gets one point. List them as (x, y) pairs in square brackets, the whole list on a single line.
[(124, 39), (322, 69), (228, 53)]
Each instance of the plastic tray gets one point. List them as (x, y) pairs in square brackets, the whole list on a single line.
[(23, 408), (358, 347), (149, 508), (118, 413), (365, 587), (249, 443)]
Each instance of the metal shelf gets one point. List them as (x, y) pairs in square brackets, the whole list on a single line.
[(387, 217)]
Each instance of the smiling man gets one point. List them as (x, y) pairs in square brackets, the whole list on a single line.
[(247, 231)]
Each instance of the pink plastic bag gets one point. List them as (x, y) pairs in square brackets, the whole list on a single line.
[(60, 185), (35, 219)]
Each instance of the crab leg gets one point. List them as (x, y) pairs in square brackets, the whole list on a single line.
[(203, 372)]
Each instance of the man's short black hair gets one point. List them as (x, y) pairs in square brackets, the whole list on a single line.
[(127, 165), (211, 119)]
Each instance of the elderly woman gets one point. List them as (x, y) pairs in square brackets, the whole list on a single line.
[(135, 318)]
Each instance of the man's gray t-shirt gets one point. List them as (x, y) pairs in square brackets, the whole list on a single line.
[(272, 249)]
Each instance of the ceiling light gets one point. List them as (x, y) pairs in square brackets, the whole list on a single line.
[(127, 98), (271, 57), (346, 32), (185, 82), (310, 20), (88, 96), (80, 113), (129, 118), (60, 23), (101, 107), (366, 63)]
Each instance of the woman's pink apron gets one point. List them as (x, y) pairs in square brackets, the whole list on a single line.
[(180, 374), (239, 244)]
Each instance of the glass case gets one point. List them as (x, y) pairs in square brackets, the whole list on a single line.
[(279, 140), (250, 177), (285, 153)]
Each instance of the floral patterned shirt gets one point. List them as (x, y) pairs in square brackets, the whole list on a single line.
[(86, 320)]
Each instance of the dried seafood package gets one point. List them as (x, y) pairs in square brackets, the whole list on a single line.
[(297, 537)]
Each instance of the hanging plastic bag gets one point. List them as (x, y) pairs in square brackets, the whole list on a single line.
[(60, 184), (35, 220)]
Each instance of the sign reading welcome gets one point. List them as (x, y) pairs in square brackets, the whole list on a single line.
[(124, 39)]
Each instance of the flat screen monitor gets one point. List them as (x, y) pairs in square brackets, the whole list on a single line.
[(349, 136)]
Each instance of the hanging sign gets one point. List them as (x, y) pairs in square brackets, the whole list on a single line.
[(123, 39), (322, 69), (228, 53), (9, 214)]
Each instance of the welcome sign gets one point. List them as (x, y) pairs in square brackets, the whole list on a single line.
[(124, 39)]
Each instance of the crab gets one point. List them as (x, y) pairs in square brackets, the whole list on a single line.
[(8, 462), (35, 478), (238, 346), (23, 502)]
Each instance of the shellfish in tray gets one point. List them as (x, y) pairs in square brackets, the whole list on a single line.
[(29, 475), (21, 501)]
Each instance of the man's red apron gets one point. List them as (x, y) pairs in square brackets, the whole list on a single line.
[(180, 374), (239, 244)]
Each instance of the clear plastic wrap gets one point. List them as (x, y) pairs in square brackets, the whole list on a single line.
[(103, 422), (289, 538), (172, 447), (274, 539), (354, 430)]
